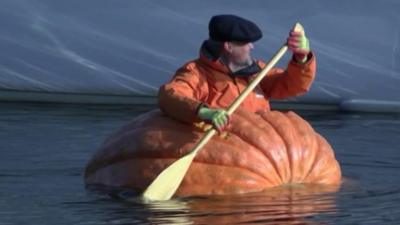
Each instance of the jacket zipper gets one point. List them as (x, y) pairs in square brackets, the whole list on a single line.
[(235, 82)]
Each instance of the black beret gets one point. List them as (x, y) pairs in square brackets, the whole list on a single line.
[(233, 28)]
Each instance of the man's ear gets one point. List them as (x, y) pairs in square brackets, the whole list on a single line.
[(227, 47)]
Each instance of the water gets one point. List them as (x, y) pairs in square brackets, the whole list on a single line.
[(44, 149)]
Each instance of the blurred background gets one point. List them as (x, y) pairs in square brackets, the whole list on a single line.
[(120, 52)]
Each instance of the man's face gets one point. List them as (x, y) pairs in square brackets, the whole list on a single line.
[(240, 53)]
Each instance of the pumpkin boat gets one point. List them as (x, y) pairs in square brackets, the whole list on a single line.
[(257, 152)]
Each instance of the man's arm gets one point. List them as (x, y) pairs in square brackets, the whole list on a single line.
[(293, 81), (182, 96)]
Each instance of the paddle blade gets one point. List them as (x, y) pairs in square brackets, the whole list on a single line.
[(168, 181)]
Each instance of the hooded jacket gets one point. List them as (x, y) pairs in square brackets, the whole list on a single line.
[(208, 81)]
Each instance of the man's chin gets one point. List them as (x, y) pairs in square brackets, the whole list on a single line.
[(247, 62)]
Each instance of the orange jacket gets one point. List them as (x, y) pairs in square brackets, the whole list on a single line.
[(208, 82)]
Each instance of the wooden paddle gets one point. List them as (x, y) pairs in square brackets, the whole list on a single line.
[(168, 181)]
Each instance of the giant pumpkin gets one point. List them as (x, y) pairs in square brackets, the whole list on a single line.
[(258, 151)]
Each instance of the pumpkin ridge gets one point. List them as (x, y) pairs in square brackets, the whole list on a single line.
[(247, 140), (228, 166), (195, 161), (327, 156), (121, 158), (314, 156), (300, 125), (261, 173), (281, 135), (250, 117), (287, 142), (289, 148), (200, 176), (262, 126), (315, 160)]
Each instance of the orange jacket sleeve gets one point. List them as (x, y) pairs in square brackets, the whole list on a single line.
[(182, 96), (293, 81)]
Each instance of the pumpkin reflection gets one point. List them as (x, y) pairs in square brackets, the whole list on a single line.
[(294, 204)]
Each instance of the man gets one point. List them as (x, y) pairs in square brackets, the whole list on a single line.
[(203, 88)]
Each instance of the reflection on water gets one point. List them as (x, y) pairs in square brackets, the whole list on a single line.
[(282, 205), (44, 149)]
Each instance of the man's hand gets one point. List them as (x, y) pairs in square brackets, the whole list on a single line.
[(219, 118), (299, 45)]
